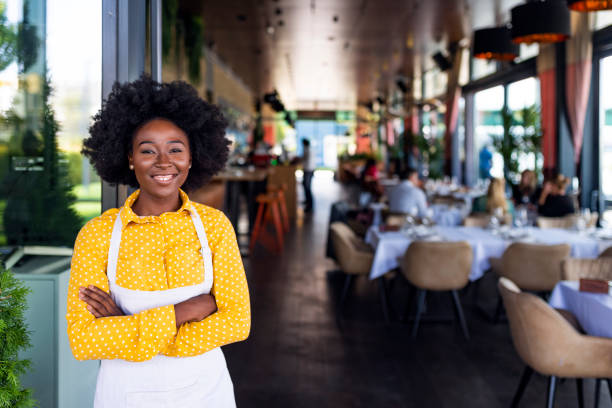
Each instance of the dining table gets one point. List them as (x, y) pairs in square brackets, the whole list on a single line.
[(248, 180), (592, 310), (486, 243)]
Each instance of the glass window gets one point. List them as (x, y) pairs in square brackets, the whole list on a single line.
[(605, 130), (524, 103), (48, 93), (488, 123), (603, 19), (481, 68)]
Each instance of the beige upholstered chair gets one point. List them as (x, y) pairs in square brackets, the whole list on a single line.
[(355, 259), (575, 269), (437, 266), (557, 222), (548, 344), (607, 253), (533, 267)]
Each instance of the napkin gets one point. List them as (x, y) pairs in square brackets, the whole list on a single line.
[(594, 285)]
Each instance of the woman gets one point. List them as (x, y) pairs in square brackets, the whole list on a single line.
[(525, 192), (157, 286), (495, 198), (553, 202)]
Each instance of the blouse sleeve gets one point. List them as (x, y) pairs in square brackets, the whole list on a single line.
[(232, 320), (137, 337)]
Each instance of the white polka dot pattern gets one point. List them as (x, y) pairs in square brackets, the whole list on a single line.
[(157, 253)]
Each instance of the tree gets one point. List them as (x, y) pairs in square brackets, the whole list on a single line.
[(14, 337)]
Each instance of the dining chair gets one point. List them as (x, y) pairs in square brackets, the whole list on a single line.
[(533, 267), (607, 253), (548, 344), (565, 222), (575, 269), (355, 259), (439, 267)]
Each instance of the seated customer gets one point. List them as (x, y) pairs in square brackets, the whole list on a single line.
[(495, 198), (553, 202), (526, 192), (406, 195)]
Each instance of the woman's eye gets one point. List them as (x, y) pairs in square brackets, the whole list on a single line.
[(177, 150), (147, 151)]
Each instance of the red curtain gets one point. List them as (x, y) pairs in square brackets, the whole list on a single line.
[(578, 77), (547, 75)]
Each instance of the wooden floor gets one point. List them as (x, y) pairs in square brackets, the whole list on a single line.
[(298, 356)]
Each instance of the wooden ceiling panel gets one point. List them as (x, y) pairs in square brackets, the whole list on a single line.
[(315, 61)]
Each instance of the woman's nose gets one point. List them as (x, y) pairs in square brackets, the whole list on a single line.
[(163, 160)]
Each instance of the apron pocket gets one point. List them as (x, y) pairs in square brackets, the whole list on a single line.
[(190, 396)]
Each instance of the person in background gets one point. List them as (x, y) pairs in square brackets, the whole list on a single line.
[(553, 201), (495, 198), (485, 163), (406, 195), (370, 181), (308, 167), (526, 191)]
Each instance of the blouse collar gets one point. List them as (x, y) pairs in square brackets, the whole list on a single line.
[(128, 215)]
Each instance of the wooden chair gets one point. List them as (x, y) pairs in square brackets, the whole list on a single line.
[(438, 266), (279, 190), (548, 344), (557, 222), (267, 210)]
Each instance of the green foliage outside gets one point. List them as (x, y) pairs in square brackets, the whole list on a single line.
[(14, 337), (432, 150), (522, 135)]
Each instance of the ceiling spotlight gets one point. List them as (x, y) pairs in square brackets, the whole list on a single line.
[(331, 38), (241, 17), (346, 45), (278, 11), (269, 29), (336, 18)]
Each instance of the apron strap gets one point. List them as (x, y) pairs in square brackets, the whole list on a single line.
[(113, 250), (205, 250)]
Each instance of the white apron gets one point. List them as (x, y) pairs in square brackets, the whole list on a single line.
[(168, 382)]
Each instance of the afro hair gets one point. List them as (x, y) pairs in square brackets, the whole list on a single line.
[(131, 105)]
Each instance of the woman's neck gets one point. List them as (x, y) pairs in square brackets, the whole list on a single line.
[(147, 205)]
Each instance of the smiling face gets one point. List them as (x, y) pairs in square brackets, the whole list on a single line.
[(161, 158)]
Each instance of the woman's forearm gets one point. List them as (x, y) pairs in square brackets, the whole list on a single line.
[(195, 309)]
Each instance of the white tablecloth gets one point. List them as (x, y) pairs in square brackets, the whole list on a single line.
[(593, 310), (389, 246)]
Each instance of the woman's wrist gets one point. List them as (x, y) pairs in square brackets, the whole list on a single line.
[(194, 309)]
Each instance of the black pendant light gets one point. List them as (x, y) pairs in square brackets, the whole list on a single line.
[(494, 43), (589, 5), (543, 21)]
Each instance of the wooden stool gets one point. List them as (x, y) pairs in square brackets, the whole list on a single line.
[(268, 209), (280, 192)]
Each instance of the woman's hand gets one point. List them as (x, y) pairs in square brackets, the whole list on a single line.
[(99, 303), (194, 309)]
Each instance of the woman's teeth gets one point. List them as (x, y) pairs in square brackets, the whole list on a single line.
[(163, 178)]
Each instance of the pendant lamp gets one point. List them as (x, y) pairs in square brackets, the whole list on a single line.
[(589, 5), (543, 21), (494, 43)]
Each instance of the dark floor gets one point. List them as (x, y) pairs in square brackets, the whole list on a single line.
[(298, 356)]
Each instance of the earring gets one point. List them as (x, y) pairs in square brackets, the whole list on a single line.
[(190, 166), (131, 167)]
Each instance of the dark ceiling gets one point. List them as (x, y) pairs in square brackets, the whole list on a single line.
[(330, 54)]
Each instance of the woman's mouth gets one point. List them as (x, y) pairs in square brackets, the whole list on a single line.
[(164, 178)]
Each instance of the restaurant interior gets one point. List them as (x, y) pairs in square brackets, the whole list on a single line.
[(421, 191)]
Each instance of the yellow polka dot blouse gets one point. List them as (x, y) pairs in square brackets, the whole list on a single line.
[(157, 253)]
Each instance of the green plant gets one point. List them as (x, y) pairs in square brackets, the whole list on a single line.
[(14, 337), (194, 44), (432, 152), (39, 208), (521, 135), (8, 39)]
